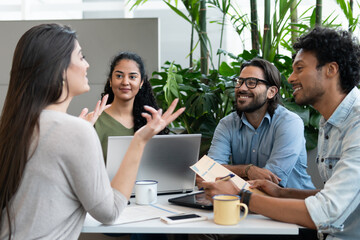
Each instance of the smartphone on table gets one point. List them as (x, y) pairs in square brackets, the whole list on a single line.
[(183, 218)]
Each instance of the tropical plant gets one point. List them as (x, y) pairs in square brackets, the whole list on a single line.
[(307, 22), (347, 9), (209, 96), (206, 104), (224, 7), (276, 26), (196, 10), (294, 20), (254, 25), (318, 12)]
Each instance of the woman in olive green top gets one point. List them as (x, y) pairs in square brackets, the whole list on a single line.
[(129, 90)]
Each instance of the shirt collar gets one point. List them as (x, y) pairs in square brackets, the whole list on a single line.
[(343, 110), (243, 120)]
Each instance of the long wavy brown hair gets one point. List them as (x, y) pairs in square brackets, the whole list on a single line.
[(40, 60)]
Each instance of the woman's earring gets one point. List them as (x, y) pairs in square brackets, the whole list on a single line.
[(63, 82)]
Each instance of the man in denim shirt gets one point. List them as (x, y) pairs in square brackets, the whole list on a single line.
[(326, 71), (263, 139)]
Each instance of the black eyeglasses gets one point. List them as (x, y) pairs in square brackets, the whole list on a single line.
[(250, 82)]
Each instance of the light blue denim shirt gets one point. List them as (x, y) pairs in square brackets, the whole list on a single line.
[(278, 145), (338, 159)]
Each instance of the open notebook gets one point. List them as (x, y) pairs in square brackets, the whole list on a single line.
[(166, 159)]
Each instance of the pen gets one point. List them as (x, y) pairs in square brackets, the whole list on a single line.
[(227, 177)]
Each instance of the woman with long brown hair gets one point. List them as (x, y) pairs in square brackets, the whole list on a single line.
[(51, 165)]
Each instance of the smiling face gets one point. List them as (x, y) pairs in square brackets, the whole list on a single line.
[(250, 100), (306, 79), (76, 73), (126, 80)]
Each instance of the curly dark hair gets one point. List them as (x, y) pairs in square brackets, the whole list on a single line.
[(272, 75), (330, 45), (145, 96)]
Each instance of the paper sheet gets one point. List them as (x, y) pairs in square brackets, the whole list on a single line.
[(209, 170), (140, 213)]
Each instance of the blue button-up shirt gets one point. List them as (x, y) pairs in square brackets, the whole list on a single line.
[(278, 145), (337, 205)]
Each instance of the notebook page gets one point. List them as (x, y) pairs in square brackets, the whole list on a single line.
[(209, 170)]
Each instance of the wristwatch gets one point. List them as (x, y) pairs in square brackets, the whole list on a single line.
[(247, 169), (245, 196)]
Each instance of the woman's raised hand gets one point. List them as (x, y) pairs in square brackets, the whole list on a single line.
[(94, 115), (156, 121)]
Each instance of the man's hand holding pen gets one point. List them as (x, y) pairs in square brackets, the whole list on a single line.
[(220, 186), (227, 177)]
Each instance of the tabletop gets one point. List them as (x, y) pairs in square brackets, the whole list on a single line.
[(252, 224)]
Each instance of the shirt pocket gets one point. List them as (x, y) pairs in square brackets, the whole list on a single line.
[(262, 157)]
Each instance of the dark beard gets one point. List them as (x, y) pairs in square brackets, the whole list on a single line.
[(250, 108)]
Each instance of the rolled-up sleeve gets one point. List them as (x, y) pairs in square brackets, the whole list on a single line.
[(340, 198)]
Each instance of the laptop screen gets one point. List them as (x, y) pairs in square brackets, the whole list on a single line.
[(166, 159)]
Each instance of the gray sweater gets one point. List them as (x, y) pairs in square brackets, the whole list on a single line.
[(64, 179)]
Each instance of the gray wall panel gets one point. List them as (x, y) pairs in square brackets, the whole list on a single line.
[(100, 40)]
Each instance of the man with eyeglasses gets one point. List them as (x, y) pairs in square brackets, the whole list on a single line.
[(262, 139)]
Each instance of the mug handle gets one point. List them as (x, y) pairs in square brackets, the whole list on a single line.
[(151, 195), (245, 212)]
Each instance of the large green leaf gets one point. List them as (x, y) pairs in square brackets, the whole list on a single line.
[(157, 82), (311, 139), (304, 113), (226, 70), (171, 88), (315, 119), (200, 104), (178, 12)]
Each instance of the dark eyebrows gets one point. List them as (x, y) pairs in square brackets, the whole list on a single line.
[(297, 62), (132, 73)]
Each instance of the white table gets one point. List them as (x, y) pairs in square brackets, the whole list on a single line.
[(253, 224)]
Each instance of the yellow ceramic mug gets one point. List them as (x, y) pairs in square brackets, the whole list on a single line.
[(227, 209)]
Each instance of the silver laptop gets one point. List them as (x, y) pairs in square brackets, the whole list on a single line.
[(166, 159)]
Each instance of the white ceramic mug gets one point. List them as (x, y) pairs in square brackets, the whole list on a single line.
[(146, 192)]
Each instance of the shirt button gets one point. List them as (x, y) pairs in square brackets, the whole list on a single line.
[(327, 137), (330, 166), (253, 150), (322, 159)]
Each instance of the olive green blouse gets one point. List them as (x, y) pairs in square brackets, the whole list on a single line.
[(107, 126)]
